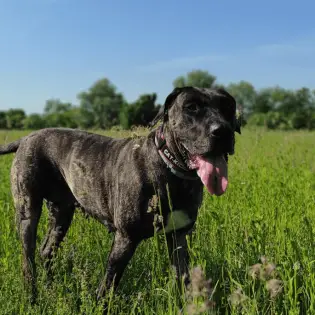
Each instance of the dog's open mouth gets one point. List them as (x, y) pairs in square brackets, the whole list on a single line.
[(213, 173), (212, 170)]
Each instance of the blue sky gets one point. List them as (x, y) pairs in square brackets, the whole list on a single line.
[(57, 48)]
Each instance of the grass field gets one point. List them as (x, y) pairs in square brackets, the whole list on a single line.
[(268, 211)]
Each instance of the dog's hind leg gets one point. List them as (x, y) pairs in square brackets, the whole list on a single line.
[(28, 200), (28, 214), (60, 217)]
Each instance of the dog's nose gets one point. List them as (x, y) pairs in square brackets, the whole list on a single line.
[(218, 131)]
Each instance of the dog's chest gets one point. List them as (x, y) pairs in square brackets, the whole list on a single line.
[(176, 220), (171, 220)]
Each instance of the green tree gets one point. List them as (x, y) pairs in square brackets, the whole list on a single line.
[(101, 105), (245, 96), (14, 118), (34, 121), (304, 99), (56, 106), (257, 119), (141, 112), (61, 114), (197, 78), (73, 118), (263, 102), (283, 100), (3, 120), (68, 119), (297, 107)]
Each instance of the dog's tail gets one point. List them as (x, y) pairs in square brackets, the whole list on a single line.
[(10, 147)]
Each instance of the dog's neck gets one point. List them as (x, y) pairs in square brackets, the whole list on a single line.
[(172, 156)]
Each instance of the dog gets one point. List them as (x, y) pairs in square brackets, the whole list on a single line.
[(136, 186)]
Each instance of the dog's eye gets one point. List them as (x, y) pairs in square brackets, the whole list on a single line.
[(192, 107)]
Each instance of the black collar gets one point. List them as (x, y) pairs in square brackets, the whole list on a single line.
[(170, 160)]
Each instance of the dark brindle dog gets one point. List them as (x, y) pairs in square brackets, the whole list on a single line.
[(125, 183)]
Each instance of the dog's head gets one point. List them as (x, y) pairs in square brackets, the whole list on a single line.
[(203, 122)]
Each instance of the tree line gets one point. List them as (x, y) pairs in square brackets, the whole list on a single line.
[(103, 107)]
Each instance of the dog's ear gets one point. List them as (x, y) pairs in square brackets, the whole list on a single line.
[(238, 115), (163, 112), (158, 116)]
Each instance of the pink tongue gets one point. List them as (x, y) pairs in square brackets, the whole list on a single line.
[(213, 174)]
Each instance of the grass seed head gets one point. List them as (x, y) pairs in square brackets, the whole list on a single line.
[(274, 287)]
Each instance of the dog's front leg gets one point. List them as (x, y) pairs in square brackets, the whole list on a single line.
[(122, 251), (178, 253)]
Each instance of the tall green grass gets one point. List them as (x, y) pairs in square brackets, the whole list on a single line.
[(268, 211)]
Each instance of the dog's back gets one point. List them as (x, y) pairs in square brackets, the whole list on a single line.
[(52, 137)]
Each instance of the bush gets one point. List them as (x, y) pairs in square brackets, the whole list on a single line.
[(258, 119)]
